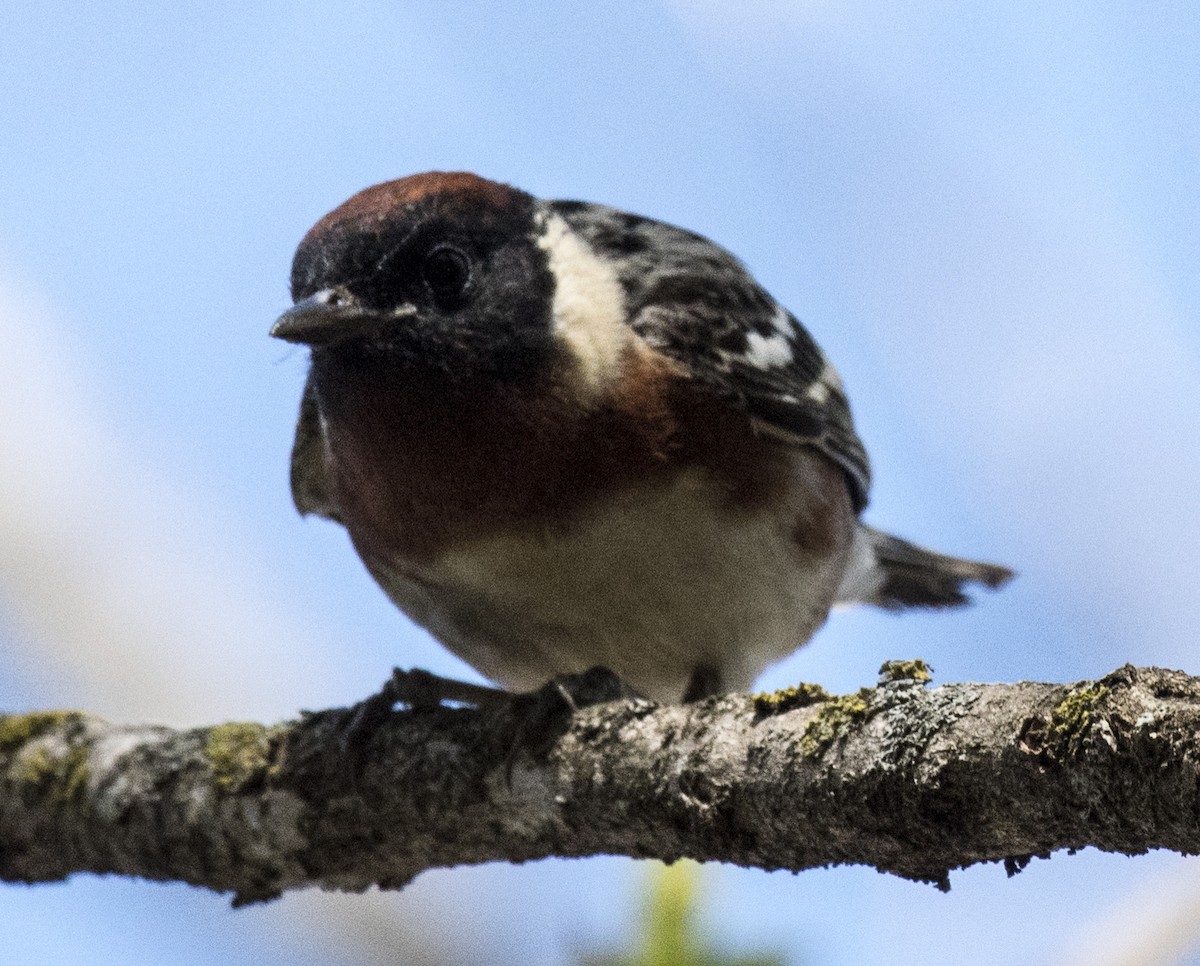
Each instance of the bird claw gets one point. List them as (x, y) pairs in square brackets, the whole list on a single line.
[(538, 718), (544, 715), (421, 691)]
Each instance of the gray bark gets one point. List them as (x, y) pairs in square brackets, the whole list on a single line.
[(910, 779)]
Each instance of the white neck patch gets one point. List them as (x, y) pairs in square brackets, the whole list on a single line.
[(589, 304)]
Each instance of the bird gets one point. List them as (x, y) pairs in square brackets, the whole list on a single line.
[(562, 436)]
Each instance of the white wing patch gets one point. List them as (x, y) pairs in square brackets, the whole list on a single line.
[(818, 392), (827, 382), (781, 320), (768, 351), (829, 376), (589, 303)]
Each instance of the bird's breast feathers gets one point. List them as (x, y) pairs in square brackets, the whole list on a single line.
[(651, 532), (651, 580)]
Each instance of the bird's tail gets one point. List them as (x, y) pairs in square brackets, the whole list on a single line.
[(893, 573)]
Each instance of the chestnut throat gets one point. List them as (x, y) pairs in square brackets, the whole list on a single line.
[(421, 460)]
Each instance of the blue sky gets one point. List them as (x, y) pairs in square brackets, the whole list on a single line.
[(986, 214)]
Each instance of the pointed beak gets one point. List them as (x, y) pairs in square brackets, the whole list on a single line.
[(334, 315)]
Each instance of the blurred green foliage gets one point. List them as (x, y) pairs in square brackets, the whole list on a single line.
[(670, 934)]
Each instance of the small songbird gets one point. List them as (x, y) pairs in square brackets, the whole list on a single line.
[(561, 435)]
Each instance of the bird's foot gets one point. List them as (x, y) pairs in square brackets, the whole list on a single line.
[(541, 717), (420, 691), (535, 719)]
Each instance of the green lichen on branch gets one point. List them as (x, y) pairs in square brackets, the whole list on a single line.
[(785, 699), (239, 754), (908, 779), (1073, 718), (60, 778), (914, 670), (17, 729), (46, 753), (835, 719)]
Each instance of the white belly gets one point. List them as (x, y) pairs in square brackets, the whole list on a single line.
[(649, 585)]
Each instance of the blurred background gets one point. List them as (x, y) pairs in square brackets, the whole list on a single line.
[(987, 214)]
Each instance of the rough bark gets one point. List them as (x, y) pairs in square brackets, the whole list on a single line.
[(910, 779)]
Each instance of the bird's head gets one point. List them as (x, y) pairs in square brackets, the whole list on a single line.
[(435, 270)]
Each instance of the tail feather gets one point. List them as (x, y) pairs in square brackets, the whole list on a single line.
[(893, 573)]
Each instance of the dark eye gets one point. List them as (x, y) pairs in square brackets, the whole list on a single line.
[(446, 271)]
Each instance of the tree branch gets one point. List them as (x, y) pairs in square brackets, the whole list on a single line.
[(911, 780)]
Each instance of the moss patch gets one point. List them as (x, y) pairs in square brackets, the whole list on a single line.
[(835, 719), (70, 776), (785, 699), (1073, 718), (914, 670), (17, 729), (238, 753), (61, 779), (57, 768)]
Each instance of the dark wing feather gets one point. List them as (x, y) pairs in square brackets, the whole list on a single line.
[(797, 400), (695, 302), (311, 490)]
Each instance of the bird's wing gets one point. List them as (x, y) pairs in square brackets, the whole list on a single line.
[(696, 303), (311, 489), (769, 365)]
